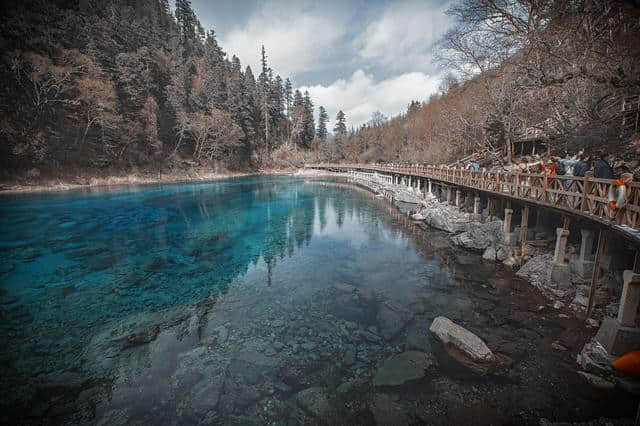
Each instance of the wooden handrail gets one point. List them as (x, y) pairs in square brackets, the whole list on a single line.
[(586, 196)]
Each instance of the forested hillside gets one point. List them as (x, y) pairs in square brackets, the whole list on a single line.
[(100, 87), (118, 85), (559, 70)]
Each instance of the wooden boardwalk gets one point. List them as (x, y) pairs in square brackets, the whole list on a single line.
[(573, 196)]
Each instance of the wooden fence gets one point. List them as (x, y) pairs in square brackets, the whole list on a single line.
[(585, 196)]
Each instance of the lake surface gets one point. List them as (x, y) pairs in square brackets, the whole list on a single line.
[(268, 300)]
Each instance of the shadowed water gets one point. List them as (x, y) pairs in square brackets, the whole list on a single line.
[(256, 300)]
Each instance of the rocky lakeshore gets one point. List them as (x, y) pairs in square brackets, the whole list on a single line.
[(485, 235)]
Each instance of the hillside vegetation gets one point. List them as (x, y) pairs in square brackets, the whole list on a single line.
[(113, 86), (558, 69)]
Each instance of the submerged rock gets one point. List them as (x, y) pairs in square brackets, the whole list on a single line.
[(464, 346), (391, 320), (402, 368), (316, 402), (387, 411)]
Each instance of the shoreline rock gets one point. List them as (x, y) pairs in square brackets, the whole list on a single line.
[(465, 347)]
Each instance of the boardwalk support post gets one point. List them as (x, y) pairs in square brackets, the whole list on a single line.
[(584, 265), (620, 335), (560, 274), (477, 209), (458, 198)]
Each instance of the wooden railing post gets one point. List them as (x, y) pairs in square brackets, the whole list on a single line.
[(545, 186), (586, 188)]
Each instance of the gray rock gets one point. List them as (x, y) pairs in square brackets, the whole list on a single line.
[(594, 358), (350, 357), (316, 402), (345, 387), (402, 368), (387, 411), (391, 320), (223, 334), (479, 236), (307, 346), (501, 254), (489, 254), (464, 346), (419, 340), (597, 381)]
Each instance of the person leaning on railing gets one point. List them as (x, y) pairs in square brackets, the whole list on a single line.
[(601, 167)]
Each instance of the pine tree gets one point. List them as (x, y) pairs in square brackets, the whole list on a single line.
[(250, 109), (323, 119), (309, 123), (187, 25), (340, 128), (214, 86), (263, 92), (340, 132), (298, 119)]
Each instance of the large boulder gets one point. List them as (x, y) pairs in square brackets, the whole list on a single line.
[(402, 368), (464, 346), (479, 236), (446, 219)]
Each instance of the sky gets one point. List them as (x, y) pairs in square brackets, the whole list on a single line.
[(360, 56)]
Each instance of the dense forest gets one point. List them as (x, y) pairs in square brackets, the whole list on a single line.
[(560, 70), (135, 84), (120, 85)]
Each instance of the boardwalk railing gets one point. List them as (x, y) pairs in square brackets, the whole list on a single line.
[(586, 196)]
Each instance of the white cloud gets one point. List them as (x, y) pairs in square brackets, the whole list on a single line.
[(295, 40), (403, 37), (359, 96)]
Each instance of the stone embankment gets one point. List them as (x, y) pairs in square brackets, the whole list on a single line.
[(484, 234)]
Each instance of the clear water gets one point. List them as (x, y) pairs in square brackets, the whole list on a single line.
[(219, 303)]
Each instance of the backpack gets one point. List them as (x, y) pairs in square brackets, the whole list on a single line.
[(561, 169)]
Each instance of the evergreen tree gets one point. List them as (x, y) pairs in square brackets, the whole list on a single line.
[(340, 129), (323, 119), (309, 123), (288, 96), (264, 89), (340, 132), (250, 109)]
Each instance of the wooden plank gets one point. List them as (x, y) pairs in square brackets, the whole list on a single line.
[(602, 237)]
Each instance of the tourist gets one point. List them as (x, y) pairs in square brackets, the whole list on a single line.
[(581, 167), (601, 168)]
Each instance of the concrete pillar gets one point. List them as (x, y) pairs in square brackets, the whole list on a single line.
[(561, 246), (630, 299), (583, 265), (430, 191), (449, 195), (458, 198), (586, 245), (620, 335), (508, 217), (418, 184), (477, 205)]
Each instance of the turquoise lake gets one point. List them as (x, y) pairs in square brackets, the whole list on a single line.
[(263, 300)]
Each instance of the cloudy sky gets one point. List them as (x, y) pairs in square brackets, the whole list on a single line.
[(359, 56)]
